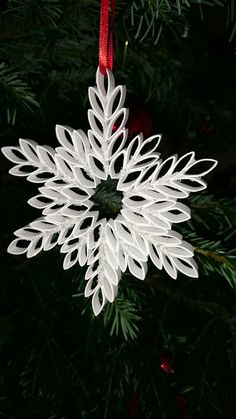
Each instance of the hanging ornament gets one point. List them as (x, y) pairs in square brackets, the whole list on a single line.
[(72, 172)]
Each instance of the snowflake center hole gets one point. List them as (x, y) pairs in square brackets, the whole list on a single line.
[(107, 199)]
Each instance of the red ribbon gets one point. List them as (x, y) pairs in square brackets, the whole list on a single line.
[(105, 55)]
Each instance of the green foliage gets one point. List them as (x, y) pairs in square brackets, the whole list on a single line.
[(122, 318), (43, 11), (151, 18), (15, 92), (214, 256)]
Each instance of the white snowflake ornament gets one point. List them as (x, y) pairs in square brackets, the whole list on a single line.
[(71, 175)]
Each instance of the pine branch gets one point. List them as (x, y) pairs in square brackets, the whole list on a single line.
[(217, 257), (151, 18), (222, 210), (16, 92), (44, 11), (212, 257), (122, 318)]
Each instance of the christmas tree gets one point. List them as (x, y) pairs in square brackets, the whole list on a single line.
[(164, 348)]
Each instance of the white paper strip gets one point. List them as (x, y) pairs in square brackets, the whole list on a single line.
[(150, 187)]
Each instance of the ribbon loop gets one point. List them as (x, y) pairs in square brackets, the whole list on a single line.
[(105, 55)]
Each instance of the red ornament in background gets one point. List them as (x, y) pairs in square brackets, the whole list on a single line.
[(139, 120), (166, 365), (133, 405), (181, 401)]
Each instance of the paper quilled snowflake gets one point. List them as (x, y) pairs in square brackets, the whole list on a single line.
[(150, 189)]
